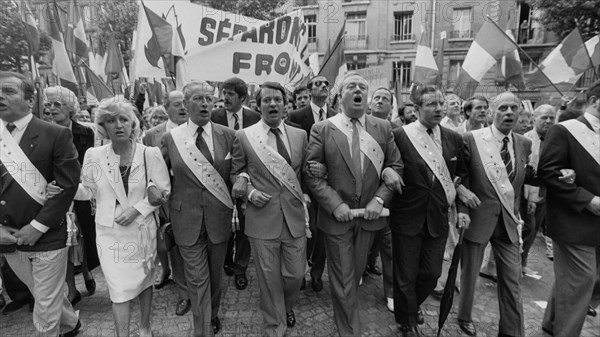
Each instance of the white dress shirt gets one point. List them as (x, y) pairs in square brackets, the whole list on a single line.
[(437, 133), (231, 119), (315, 110), (170, 125), (499, 136), (271, 140), (206, 134), (594, 121)]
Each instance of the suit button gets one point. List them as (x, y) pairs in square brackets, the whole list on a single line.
[(2, 202)]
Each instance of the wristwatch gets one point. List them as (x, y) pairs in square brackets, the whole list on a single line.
[(379, 200), (457, 182)]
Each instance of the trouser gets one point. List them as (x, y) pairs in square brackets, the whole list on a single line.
[(238, 247)]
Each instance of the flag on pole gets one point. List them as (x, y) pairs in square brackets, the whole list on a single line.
[(439, 58), (115, 66), (61, 65), (166, 44), (334, 64), (564, 65), (593, 47), (512, 68), (426, 69), (31, 29), (95, 85), (75, 38), (488, 47)]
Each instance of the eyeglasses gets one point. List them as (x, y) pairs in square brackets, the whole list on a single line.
[(318, 83), (56, 104)]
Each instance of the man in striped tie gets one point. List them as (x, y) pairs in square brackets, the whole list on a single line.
[(497, 159)]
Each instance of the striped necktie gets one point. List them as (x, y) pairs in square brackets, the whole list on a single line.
[(505, 154)]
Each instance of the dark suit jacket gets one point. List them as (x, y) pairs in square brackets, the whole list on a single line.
[(50, 148), (423, 201), (154, 136), (249, 117), (304, 117), (190, 201), (83, 138), (567, 219), (485, 217), (329, 146)]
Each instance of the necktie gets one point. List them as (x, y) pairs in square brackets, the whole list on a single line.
[(429, 172), (321, 113), (236, 125), (505, 154), (280, 146), (430, 132), (201, 145), (3, 172), (356, 156)]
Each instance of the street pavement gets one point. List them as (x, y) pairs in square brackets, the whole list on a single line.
[(240, 314)]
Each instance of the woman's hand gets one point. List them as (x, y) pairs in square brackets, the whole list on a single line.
[(53, 190), (127, 217)]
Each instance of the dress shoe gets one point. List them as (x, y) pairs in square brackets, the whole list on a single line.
[(591, 311), (162, 280), (492, 278), (183, 306), (409, 331), (216, 325), (529, 271), (241, 282), (76, 299), (290, 318), (90, 285), (14, 306), (467, 327), (373, 269), (228, 270), (420, 318), (390, 304), (317, 284), (2, 301), (303, 285), (73, 332)]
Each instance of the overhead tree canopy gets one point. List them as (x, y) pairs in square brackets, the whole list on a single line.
[(258, 9), (14, 49), (562, 16), (118, 18)]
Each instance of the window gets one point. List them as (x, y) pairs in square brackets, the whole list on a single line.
[(311, 23), (356, 30), (403, 26), (462, 20), (454, 71), (402, 73)]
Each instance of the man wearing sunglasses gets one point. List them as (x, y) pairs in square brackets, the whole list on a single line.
[(314, 112)]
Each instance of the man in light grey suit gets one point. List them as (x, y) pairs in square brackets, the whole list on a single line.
[(268, 156), (497, 160), (360, 155), (199, 154)]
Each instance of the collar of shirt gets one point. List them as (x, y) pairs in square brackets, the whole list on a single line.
[(194, 128), (170, 125), (594, 121), (20, 123), (437, 133), (271, 137), (500, 136), (231, 119), (361, 120), (267, 128), (315, 110)]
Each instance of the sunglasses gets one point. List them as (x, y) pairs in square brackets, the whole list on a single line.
[(318, 83)]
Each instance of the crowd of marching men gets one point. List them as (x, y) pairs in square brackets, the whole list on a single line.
[(202, 183)]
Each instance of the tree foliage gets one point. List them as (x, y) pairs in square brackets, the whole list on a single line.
[(14, 49), (562, 16), (118, 18), (258, 9)]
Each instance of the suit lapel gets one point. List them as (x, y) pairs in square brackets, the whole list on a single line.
[(109, 162), (518, 148), (30, 137), (584, 120), (292, 140), (219, 146), (446, 146), (309, 119), (342, 143)]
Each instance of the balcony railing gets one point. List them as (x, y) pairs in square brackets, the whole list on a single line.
[(403, 37), (461, 34), (302, 3), (356, 42), (587, 78), (313, 44)]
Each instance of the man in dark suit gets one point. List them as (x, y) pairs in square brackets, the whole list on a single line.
[(236, 117), (316, 111), (497, 160), (365, 166), (573, 215), (269, 157), (44, 153), (178, 115), (433, 164), (200, 206)]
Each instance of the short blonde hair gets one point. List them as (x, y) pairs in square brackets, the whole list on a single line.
[(65, 96), (110, 107)]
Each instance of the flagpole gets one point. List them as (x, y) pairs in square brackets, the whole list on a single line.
[(529, 57), (337, 44), (33, 69)]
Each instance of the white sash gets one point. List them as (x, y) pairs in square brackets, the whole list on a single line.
[(589, 139), (275, 164), (432, 155), (496, 170), (368, 145), (202, 169), (21, 169)]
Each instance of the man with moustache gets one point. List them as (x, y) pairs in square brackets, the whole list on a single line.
[(573, 215), (267, 169), (178, 115), (434, 168), (365, 166), (408, 112), (33, 153), (497, 160), (199, 155), (533, 205), (236, 117), (316, 111)]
